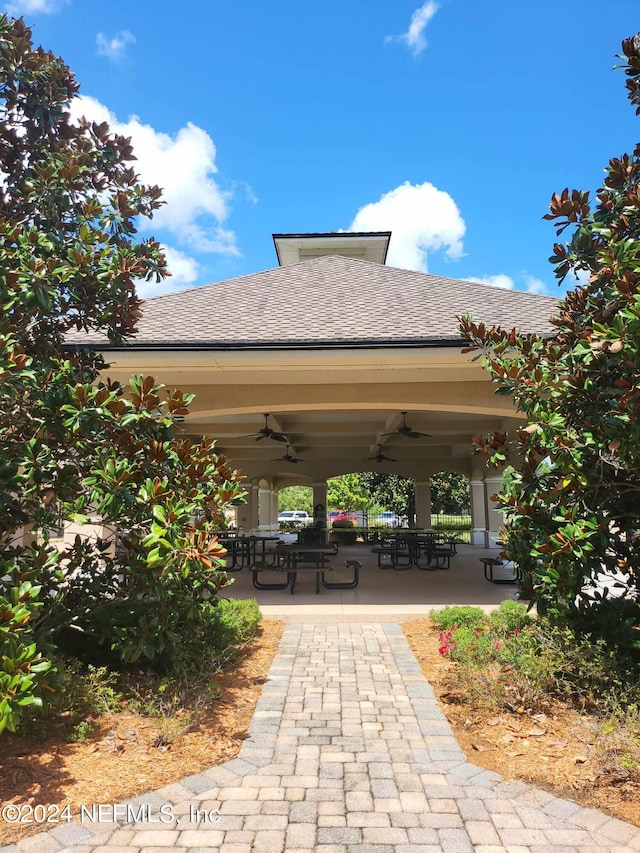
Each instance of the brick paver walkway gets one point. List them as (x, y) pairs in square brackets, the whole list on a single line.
[(348, 752)]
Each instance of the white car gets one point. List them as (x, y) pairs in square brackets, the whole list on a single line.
[(294, 516), (390, 519)]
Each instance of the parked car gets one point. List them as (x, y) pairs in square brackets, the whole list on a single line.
[(391, 519), (341, 515), (294, 516)]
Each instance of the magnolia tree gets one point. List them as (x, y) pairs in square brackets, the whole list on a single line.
[(71, 442), (571, 500)]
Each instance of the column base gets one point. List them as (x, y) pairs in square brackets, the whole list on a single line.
[(479, 537)]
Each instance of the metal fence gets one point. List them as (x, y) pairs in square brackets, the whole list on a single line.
[(451, 521)]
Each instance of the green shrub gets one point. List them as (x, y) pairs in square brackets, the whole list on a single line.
[(509, 617), (192, 665), (512, 661), (222, 627), (240, 618), (77, 692), (590, 672), (457, 615)]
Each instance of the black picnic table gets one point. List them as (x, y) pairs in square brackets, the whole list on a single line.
[(298, 557)]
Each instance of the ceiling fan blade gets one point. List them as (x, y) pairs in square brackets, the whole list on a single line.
[(266, 432)]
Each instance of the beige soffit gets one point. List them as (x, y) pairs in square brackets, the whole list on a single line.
[(330, 301)]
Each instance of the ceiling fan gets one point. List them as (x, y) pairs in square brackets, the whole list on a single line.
[(380, 457), (266, 432), (288, 458), (406, 430)]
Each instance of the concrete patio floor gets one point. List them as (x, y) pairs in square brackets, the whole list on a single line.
[(382, 594)]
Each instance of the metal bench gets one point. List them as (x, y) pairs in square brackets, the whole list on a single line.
[(490, 563), (355, 565), (399, 558)]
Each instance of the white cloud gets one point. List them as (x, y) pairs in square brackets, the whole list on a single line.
[(183, 165), (414, 38), (501, 280), (17, 8), (530, 283), (422, 218), (184, 272), (114, 48), (534, 285)]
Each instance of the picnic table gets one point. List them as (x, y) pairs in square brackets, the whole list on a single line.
[(425, 550), (246, 551), (297, 557)]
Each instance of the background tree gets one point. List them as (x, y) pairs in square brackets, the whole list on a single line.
[(392, 492), (450, 493), (71, 441), (571, 500), (296, 497), (348, 493)]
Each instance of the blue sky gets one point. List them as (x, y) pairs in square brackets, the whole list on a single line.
[(449, 123)]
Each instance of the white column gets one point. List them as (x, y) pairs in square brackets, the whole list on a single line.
[(248, 513), (320, 501), (423, 504), (273, 511), (493, 485), (264, 508), (478, 512)]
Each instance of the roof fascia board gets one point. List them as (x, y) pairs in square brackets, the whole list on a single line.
[(320, 345)]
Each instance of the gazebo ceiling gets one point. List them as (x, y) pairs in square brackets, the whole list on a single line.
[(347, 440)]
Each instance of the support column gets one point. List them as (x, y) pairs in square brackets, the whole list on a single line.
[(493, 485), (423, 504), (320, 501), (273, 513), (247, 514), (264, 508), (478, 512)]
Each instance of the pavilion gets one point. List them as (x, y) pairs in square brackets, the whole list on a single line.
[(335, 346)]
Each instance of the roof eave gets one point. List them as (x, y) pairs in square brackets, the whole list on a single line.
[(410, 343)]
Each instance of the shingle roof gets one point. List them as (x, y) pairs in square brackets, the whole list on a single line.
[(331, 300)]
